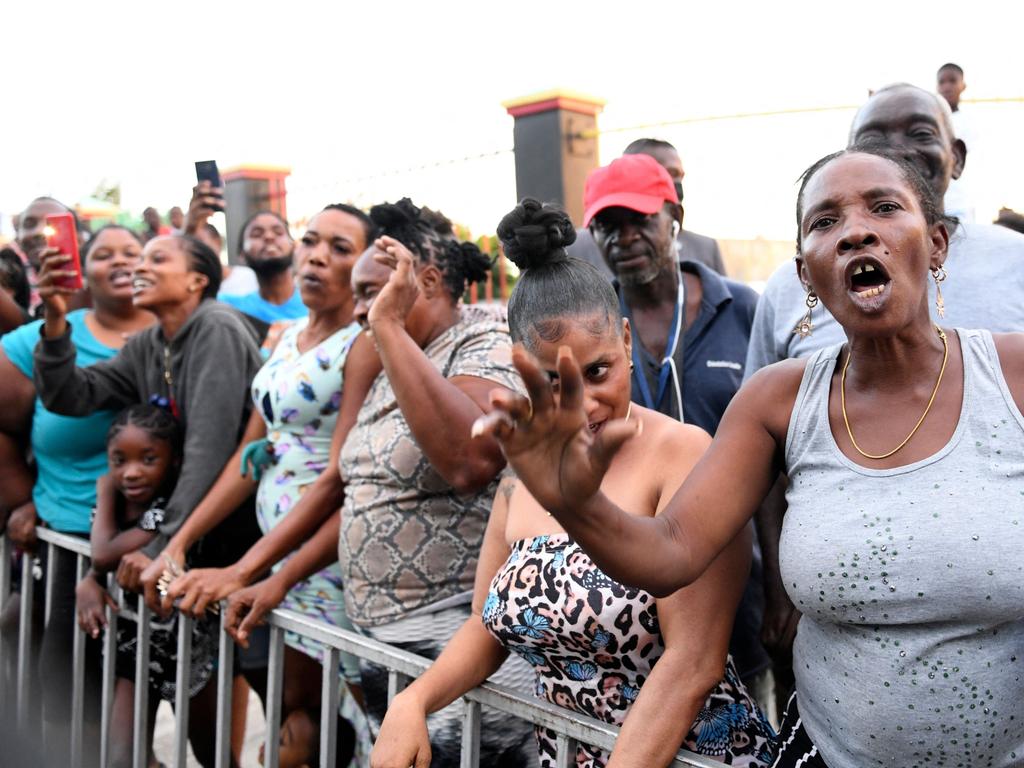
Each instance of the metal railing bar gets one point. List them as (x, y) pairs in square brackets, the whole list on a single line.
[(75, 544), (24, 640), (329, 689), (565, 751), (470, 756), (275, 669), (570, 728), (140, 742), (181, 697), (584, 729), (365, 648), (77, 671), (6, 549), (396, 684), (5, 593), (51, 572), (109, 670), (225, 690)]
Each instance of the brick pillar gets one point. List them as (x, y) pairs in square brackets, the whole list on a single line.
[(251, 188), (555, 139)]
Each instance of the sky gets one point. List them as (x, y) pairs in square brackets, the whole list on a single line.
[(357, 98)]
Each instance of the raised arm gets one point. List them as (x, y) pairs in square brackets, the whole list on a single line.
[(469, 658), (62, 386), (562, 465), (440, 411)]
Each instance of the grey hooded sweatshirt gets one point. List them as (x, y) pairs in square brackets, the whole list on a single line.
[(205, 369)]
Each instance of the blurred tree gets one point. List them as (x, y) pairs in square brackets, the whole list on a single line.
[(109, 191)]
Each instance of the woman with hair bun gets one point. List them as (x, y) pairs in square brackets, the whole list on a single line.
[(592, 641)]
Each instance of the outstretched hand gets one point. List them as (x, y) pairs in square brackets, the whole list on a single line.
[(546, 438)]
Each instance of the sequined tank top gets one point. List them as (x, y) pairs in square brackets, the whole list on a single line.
[(910, 580)]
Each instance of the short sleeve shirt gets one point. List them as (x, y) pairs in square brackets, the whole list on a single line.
[(70, 452), (407, 539), (256, 306)]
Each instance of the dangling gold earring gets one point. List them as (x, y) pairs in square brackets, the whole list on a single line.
[(805, 327), (939, 274)]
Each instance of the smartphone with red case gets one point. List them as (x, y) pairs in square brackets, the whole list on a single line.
[(62, 235)]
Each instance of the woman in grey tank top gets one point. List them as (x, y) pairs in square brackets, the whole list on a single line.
[(905, 448)]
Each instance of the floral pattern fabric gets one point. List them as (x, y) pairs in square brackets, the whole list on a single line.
[(298, 394), (593, 643)]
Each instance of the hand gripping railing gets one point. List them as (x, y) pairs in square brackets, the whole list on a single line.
[(570, 728)]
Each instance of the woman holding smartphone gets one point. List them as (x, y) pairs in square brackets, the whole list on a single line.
[(197, 361), (69, 453)]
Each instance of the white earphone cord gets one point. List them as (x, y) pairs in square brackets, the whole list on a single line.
[(670, 358)]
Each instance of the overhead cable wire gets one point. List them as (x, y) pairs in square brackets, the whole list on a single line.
[(593, 133)]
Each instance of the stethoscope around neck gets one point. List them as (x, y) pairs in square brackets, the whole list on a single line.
[(668, 369)]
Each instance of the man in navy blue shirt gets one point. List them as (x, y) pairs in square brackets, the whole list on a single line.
[(690, 328), (692, 325)]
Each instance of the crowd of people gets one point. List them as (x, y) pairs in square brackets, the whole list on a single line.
[(640, 492)]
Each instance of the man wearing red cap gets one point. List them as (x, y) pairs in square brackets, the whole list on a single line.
[(690, 325), (692, 247), (693, 324)]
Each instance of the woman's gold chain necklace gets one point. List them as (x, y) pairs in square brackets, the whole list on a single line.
[(931, 400)]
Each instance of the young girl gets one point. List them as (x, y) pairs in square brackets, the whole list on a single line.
[(144, 452)]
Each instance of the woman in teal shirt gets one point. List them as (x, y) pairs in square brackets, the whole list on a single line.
[(69, 453)]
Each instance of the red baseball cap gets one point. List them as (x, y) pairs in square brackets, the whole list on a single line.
[(637, 182)]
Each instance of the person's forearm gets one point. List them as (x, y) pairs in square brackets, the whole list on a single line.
[(107, 555), (321, 499), (439, 414), (55, 323), (66, 389), (15, 476), (226, 495), (644, 552), (11, 314), (662, 714), (312, 557), (469, 658)]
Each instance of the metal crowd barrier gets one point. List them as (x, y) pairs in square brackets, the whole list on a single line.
[(571, 729)]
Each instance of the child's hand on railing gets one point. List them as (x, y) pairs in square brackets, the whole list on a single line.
[(91, 601), (129, 572)]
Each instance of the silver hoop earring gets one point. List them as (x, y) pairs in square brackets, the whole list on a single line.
[(806, 326)]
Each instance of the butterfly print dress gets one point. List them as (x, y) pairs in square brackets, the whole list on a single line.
[(298, 394), (593, 642)]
